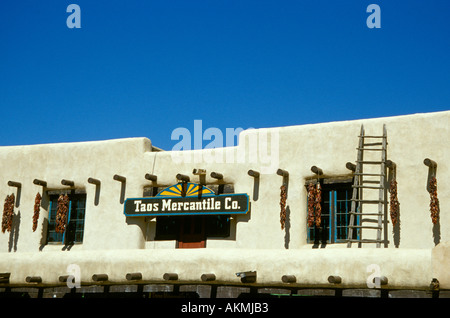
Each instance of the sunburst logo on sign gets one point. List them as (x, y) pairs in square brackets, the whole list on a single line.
[(189, 189), (187, 198)]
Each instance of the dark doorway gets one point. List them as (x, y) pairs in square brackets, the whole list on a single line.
[(192, 232)]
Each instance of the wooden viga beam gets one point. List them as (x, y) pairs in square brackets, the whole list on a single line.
[(282, 173), (317, 170), (288, 279), (247, 277), (151, 177), (119, 178), (350, 166), (183, 177), (216, 175), (68, 183), (390, 164), (170, 276), (33, 279), (253, 173), (14, 184), (100, 277), (208, 277), (94, 181), (134, 276), (333, 279), (40, 182), (429, 163)]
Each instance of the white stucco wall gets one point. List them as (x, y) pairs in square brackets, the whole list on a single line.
[(113, 242)]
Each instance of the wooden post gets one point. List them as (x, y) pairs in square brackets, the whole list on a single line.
[(334, 279), (100, 277), (288, 279), (94, 181), (14, 184), (253, 173), (40, 182), (63, 278), (67, 182), (134, 276), (434, 285), (183, 177), (216, 175), (247, 277), (383, 280), (170, 276), (123, 182), (430, 163), (282, 173), (151, 177), (390, 164), (119, 178), (208, 277), (317, 170), (4, 278), (350, 166), (33, 279), (199, 171)]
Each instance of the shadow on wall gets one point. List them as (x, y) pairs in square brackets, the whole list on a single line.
[(396, 230), (287, 226), (432, 172), (14, 234)]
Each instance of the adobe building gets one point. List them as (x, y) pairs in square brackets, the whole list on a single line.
[(351, 208)]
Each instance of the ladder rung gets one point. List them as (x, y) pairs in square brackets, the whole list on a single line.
[(365, 227), (369, 220), (373, 144), (368, 201), (373, 136), (369, 174), (372, 149), (370, 162), (366, 241), (367, 187), (371, 181), (363, 213)]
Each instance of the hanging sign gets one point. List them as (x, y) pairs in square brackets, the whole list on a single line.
[(187, 199)]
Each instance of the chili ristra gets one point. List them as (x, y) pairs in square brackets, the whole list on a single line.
[(311, 202), (62, 213), (434, 201), (393, 202), (37, 206), (283, 196), (318, 208), (314, 204), (8, 213)]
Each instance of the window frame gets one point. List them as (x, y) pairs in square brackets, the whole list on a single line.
[(332, 208), (173, 223), (72, 223)]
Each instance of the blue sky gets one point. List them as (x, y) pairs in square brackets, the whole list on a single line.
[(144, 68)]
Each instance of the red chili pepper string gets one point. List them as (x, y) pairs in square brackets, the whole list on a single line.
[(8, 213), (37, 205), (283, 196)]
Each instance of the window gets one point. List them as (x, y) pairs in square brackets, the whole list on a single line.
[(335, 215), (170, 227), (75, 224)]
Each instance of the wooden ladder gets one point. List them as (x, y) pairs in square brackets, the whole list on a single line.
[(365, 185)]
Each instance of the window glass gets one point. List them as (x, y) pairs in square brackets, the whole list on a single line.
[(169, 227), (335, 214), (75, 228)]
